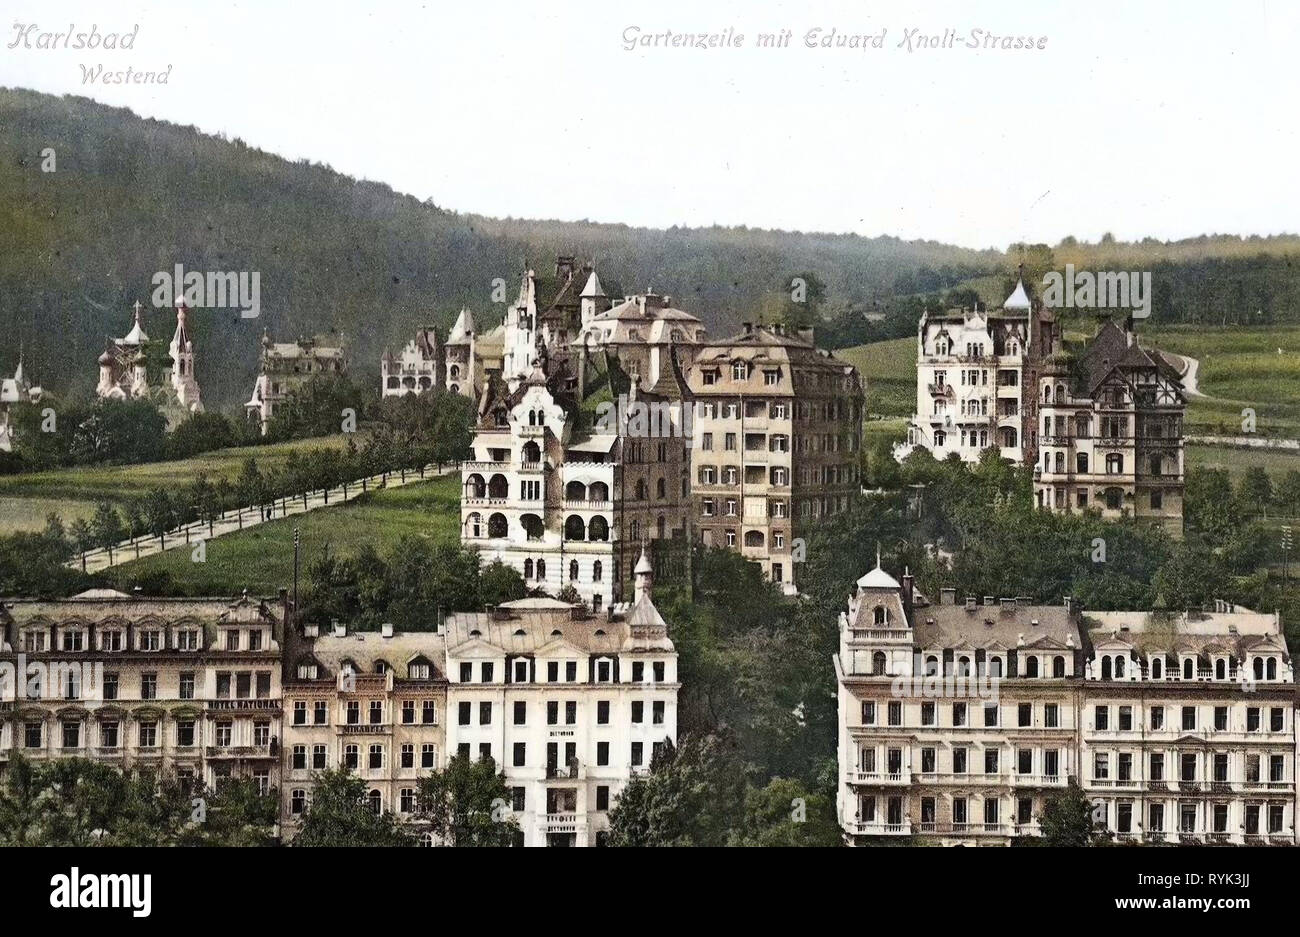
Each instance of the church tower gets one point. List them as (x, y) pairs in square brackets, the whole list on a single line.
[(184, 383)]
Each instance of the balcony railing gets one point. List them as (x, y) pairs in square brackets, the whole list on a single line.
[(562, 771)]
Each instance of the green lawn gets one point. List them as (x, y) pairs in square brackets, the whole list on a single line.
[(1236, 461), (26, 499), (261, 559)]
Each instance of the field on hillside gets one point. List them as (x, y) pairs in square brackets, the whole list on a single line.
[(888, 371), (71, 493), (1240, 368), (260, 559)]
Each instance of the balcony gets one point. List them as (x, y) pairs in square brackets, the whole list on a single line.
[(556, 772), (242, 751), (877, 828), (902, 778), (576, 505)]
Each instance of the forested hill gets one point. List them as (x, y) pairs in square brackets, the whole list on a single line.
[(131, 197), (356, 260)]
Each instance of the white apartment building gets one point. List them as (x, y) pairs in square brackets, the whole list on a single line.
[(415, 370), (977, 378), (1188, 727), (956, 721), (568, 704)]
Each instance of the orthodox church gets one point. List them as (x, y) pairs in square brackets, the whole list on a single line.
[(137, 367)]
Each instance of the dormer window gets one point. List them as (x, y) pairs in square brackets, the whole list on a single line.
[(880, 615), (307, 671), (110, 641), (151, 640), (73, 640), (418, 671), (739, 370)]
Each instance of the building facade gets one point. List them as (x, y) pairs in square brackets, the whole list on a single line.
[(958, 721), (188, 688), (417, 369), (14, 390), (775, 443), (1188, 731), (1112, 431), (371, 702), (286, 366), (570, 705), (977, 379)]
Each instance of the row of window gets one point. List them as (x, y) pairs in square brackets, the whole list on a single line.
[(427, 711), (960, 763), (229, 685), (523, 670), (35, 641), (1188, 719), (1189, 767), (519, 712), (74, 734)]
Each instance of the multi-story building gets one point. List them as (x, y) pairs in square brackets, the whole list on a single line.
[(471, 360), (285, 367), (567, 496), (415, 370), (568, 704), (977, 379), (775, 442), (1188, 727), (371, 702), (643, 331), (956, 721), (186, 687), (1112, 431)]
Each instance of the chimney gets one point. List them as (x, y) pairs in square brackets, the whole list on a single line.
[(907, 595), (386, 629), (947, 596)]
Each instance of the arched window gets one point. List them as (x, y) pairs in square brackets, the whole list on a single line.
[(1105, 668), (1272, 668), (528, 569), (596, 571), (661, 527), (497, 526), (1189, 669), (642, 492), (661, 490), (376, 802), (1157, 669), (475, 487), (1058, 666), (940, 438), (533, 527), (598, 491), (635, 528), (878, 664), (995, 666), (575, 491), (1114, 464), (574, 528), (1031, 667), (498, 487), (541, 569), (1081, 463), (932, 666), (753, 538), (532, 452), (1220, 669), (880, 615), (963, 666), (455, 371), (598, 529), (1119, 668), (474, 526), (573, 570)]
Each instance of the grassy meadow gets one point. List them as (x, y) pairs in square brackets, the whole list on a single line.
[(71, 493), (260, 559)]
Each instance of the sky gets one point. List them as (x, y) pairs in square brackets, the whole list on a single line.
[(1153, 119)]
